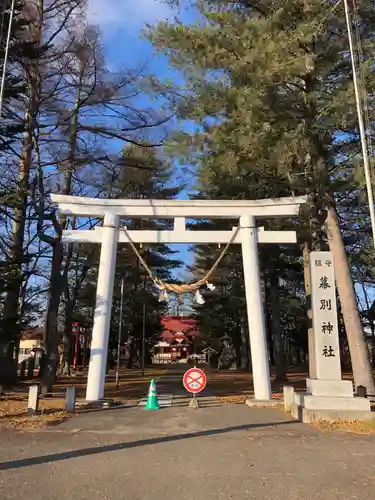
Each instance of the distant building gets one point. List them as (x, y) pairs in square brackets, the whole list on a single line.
[(176, 342), (30, 342)]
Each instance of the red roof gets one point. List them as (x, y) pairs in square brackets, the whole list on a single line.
[(184, 324), (166, 335)]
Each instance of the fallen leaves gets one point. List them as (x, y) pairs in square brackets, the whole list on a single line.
[(278, 395), (241, 399), (353, 426), (13, 406), (232, 400), (13, 412)]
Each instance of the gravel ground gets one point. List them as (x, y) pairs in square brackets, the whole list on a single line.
[(217, 451)]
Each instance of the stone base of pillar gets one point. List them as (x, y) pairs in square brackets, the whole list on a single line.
[(308, 416), (330, 388), (330, 400), (331, 403)]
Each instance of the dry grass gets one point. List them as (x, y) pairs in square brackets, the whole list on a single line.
[(232, 400), (13, 406), (13, 412), (241, 399), (228, 384), (354, 427)]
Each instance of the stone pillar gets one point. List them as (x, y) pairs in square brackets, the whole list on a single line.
[(288, 391), (70, 399), (33, 402), (255, 314), (103, 309), (324, 316), (327, 396)]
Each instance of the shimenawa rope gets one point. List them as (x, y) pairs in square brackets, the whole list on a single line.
[(185, 288)]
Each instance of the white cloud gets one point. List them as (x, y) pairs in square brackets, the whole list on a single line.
[(127, 13)]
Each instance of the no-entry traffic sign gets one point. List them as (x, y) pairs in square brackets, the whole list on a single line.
[(194, 380)]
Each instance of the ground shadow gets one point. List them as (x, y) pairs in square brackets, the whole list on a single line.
[(56, 457)]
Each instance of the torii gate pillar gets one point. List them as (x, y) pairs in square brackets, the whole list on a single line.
[(254, 305), (103, 309)]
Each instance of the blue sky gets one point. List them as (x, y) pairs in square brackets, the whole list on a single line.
[(121, 23)]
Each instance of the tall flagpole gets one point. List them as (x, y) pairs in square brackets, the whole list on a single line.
[(366, 163), (6, 54)]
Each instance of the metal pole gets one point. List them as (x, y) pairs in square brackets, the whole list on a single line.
[(6, 54), (362, 132), (120, 332), (143, 337)]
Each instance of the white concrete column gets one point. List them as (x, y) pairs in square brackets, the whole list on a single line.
[(255, 314), (103, 309)]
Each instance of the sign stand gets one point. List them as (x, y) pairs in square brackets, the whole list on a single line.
[(194, 381), (194, 403)]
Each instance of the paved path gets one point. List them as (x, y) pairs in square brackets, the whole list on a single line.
[(215, 452)]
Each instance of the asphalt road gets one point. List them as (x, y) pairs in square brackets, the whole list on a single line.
[(217, 451)]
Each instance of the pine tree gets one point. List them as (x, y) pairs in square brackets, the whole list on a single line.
[(270, 87)]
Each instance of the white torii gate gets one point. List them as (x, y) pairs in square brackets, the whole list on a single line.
[(110, 234)]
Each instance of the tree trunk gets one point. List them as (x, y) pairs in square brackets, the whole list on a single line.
[(278, 345), (237, 350), (245, 347), (65, 359), (67, 335), (52, 334), (268, 320), (60, 282), (357, 344), (132, 354), (237, 340)]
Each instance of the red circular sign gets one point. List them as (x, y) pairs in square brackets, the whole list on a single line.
[(194, 380)]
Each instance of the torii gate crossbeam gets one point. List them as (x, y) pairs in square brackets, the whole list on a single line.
[(110, 235)]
